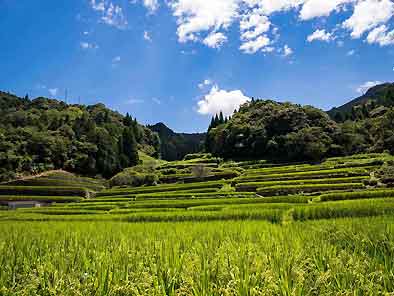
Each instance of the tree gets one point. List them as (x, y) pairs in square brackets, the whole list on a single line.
[(130, 147)]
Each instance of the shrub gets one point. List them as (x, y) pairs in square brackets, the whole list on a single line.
[(131, 177)]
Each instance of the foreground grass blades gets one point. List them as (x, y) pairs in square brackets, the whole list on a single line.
[(341, 257)]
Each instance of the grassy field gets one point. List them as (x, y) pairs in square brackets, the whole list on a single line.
[(245, 228), (341, 257)]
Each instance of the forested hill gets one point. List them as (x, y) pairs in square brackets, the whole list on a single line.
[(285, 131), (174, 146), (42, 134), (375, 101)]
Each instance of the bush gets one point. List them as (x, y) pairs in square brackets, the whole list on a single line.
[(386, 173), (134, 177)]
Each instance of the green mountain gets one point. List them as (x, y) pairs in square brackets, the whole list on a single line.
[(43, 134), (289, 132), (174, 146), (375, 101)]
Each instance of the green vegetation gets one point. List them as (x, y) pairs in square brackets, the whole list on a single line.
[(347, 257), (43, 134), (227, 227)]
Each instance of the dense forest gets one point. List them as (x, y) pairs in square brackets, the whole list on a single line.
[(285, 131), (175, 146), (43, 134)]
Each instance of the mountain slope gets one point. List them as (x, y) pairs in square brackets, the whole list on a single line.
[(379, 96), (45, 134), (174, 146)]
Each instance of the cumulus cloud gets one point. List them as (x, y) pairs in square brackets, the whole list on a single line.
[(199, 16), (362, 89), (320, 35), (367, 15), (151, 5), (253, 46), (218, 100), (207, 21), (215, 40), (111, 14), (53, 91), (351, 52), (381, 36), (318, 8)]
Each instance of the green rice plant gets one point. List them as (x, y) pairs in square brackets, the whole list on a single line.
[(160, 188), (337, 257), (344, 209), (176, 195), (366, 194), (306, 188), (50, 182), (336, 173), (252, 186), (61, 211), (59, 199), (42, 190)]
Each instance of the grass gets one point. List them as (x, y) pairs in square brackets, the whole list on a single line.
[(160, 188), (342, 257), (306, 188), (43, 190), (252, 186), (384, 193), (60, 199)]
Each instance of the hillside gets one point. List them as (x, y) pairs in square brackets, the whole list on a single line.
[(174, 146), (45, 134), (376, 97)]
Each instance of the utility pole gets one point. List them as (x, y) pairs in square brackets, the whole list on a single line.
[(65, 96)]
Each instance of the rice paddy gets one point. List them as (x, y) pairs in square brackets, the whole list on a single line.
[(271, 229)]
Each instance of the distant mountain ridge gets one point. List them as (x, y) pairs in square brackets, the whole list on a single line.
[(174, 146), (379, 95)]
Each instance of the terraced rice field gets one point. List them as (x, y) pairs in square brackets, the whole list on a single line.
[(271, 229)]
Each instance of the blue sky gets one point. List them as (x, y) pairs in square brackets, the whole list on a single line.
[(178, 61)]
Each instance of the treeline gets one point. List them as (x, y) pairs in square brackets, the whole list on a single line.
[(42, 134), (175, 146), (285, 131)]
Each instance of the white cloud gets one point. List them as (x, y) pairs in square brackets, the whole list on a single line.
[(205, 83), (351, 52), (207, 21), (320, 35), (269, 7), (87, 45), (318, 8), (147, 36), (287, 51), (152, 5), (367, 15), (380, 36), (196, 16), (221, 101), (215, 40), (53, 91), (111, 14), (362, 89), (254, 46)]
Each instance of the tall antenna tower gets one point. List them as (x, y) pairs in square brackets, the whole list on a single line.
[(65, 96)]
